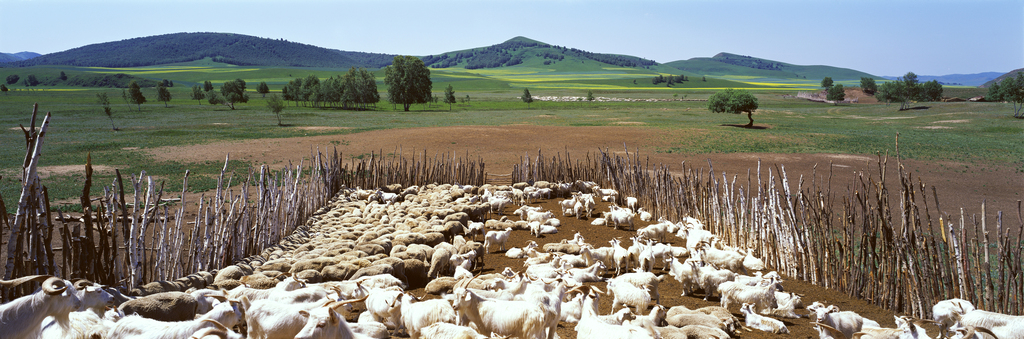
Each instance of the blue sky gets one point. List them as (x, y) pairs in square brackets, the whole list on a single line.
[(928, 37)]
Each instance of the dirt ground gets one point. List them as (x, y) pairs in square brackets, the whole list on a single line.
[(503, 146)]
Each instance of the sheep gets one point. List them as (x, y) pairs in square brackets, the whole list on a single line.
[(1004, 326), (630, 295), (845, 322), (22, 317), (756, 321), (417, 315), (381, 281), (133, 326), (496, 238), (762, 297), (522, 319), (947, 311)]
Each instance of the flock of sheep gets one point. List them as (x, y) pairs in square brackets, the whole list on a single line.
[(368, 248)]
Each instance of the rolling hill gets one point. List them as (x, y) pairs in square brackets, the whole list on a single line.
[(1000, 78), (976, 79), (10, 57), (732, 64), (528, 52), (235, 49)]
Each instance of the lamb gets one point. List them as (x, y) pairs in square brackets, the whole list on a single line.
[(417, 315), (1004, 326), (22, 317), (762, 297), (845, 322), (756, 321), (496, 238), (522, 319), (133, 326), (947, 311), (630, 295)]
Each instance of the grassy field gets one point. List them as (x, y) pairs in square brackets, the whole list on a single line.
[(972, 132)]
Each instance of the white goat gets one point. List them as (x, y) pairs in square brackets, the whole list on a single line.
[(522, 319), (417, 315), (324, 323), (687, 275), (567, 206), (450, 331), (845, 322), (1003, 325), (645, 216), (756, 321), (628, 294), (519, 253), (788, 303), (620, 216), (592, 273), (496, 238), (599, 222), (710, 278), (725, 259), (763, 298), (946, 312), (134, 326), (621, 256), (590, 327), (23, 317)]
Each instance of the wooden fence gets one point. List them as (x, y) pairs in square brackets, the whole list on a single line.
[(892, 246)]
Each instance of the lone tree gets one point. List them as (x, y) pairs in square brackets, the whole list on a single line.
[(449, 96), (590, 95), (197, 94), (836, 94), (234, 91), (63, 76), (135, 95), (527, 98), (868, 85), (12, 79), (263, 89), (1010, 89), (163, 94), (408, 81), (276, 105), (102, 99), (734, 101), (826, 82)]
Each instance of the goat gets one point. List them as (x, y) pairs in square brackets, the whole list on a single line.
[(726, 259), (23, 317), (763, 298), (629, 294), (788, 302), (590, 327), (845, 322), (947, 311), (1003, 325), (133, 326), (687, 275), (592, 273), (324, 322), (418, 315), (620, 216), (522, 319), (906, 328), (644, 280), (496, 238), (756, 321), (710, 278), (450, 331), (621, 256)]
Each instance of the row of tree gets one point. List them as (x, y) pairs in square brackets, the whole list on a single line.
[(355, 89), (906, 89)]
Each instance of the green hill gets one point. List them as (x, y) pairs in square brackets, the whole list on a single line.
[(732, 64), (524, 51), (1012, 73), (235, 49)]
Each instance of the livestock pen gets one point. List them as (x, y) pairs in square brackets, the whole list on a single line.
[(848, 240)]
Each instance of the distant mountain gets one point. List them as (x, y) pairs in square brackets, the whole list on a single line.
[(9, 57), (525, 51), (733, 64), (1012, 73), (235, 49), (976, 79)]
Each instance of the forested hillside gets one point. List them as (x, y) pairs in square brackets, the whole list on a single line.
[(235, 49), (518, 50), (733, 64)]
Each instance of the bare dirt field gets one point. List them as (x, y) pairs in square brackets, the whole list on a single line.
[(500, 147)]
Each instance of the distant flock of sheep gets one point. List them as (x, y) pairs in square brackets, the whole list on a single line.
[(368, 246)]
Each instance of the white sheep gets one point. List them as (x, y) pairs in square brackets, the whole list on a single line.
[(23, 317), (845, 322), (496, 238), (946, 312), (763, 298), (756, 321)]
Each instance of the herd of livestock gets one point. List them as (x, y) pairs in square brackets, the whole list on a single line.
[(368, 247)]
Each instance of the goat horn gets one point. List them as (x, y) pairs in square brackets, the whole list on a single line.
[(82, 284), (972, 329), (219, 297), (22, 280), (51, 286), (215, 323)]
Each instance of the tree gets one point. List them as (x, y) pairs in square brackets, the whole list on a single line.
[(868, 85), (102, 99), (836, 94), (3, 88), (527, 98), (234, 92), (449, 96), (276, 105), (826, 82), (135, 94), (31, 80), (590, 95), (12, 79), (734, 101), (197, 94), (207, 86), (214, 99), (408, 81), (1012, 89), (63, 76), (891, 91), (703, 78), (911, 88), (931, 91), (263, 89), (995, 93), (127, 101), (162, 93)]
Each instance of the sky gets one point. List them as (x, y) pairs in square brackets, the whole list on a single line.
[(880, 37)]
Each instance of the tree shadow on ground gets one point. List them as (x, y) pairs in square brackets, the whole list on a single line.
[(916, 107), (745, 126)]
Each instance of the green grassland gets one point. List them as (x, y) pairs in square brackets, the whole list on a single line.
[(964, 131)]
